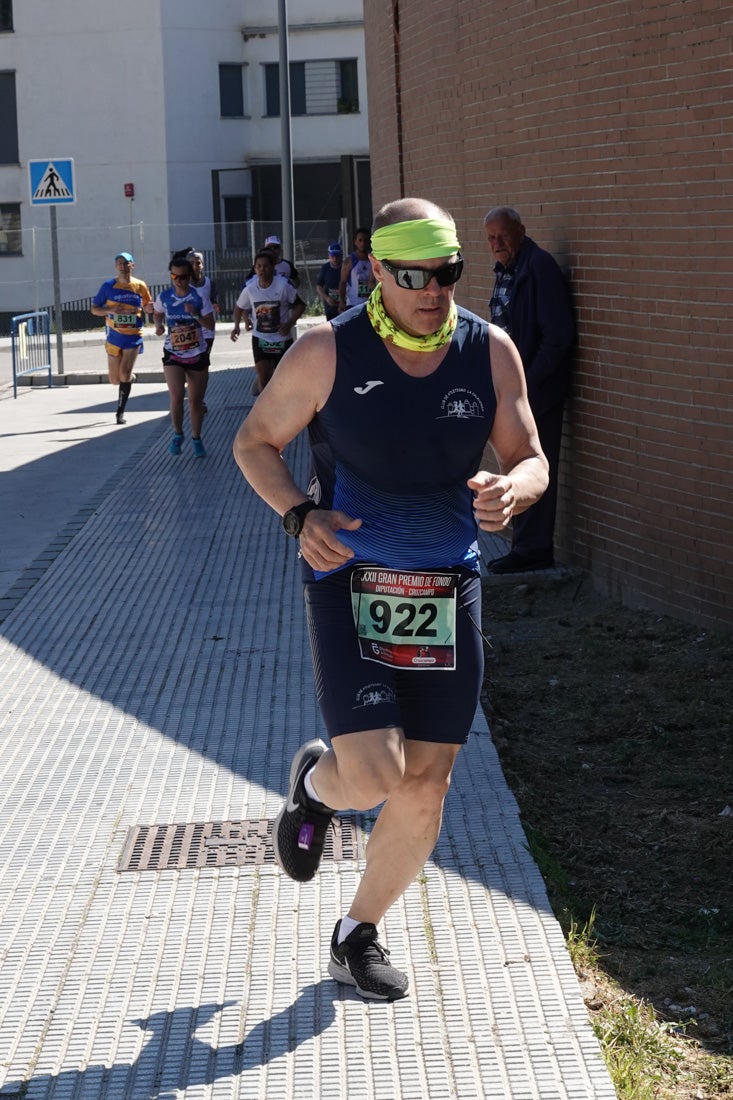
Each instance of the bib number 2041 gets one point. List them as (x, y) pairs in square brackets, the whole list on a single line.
[(407, 620)]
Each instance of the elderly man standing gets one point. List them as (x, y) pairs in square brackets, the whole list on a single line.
[(531, 302), (399, 396)]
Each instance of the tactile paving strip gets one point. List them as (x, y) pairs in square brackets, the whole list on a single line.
[(158, 672)]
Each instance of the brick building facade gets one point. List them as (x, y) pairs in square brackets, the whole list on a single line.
[(609, 126)]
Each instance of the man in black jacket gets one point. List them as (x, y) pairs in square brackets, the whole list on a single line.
[(531, 302)]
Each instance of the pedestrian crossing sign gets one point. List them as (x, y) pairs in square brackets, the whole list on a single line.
[(52, 182)]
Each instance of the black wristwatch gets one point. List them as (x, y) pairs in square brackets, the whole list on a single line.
[(293, 519)]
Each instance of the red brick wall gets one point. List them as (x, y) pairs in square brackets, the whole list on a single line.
[(609, 126)]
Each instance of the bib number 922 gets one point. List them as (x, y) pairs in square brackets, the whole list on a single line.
[(405, 620)]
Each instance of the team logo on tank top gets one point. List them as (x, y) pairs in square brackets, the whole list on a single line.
[(461, 404)]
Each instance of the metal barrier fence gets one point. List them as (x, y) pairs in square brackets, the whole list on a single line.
[(30, 341), (77, 316), (87, 260)]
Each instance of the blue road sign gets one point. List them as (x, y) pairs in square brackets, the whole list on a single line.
[(52, 182)]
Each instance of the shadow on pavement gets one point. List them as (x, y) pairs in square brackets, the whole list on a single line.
[(174, 1058)]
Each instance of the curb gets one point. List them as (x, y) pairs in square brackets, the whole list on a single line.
[(94, 378), (40, 380)]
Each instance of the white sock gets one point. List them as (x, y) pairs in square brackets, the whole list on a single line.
[(348, 924), (310, 790)]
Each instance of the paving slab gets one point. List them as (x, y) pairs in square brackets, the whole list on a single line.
[(156, 673)]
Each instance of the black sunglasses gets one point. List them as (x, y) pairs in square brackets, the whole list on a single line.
[(417, 278)]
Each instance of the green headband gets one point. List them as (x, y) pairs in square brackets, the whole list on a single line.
[(422, 239)]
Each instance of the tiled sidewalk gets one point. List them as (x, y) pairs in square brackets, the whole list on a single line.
[(156, 673)]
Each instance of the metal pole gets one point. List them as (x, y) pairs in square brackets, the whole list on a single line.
[(57, 293), (35, 269), (286, 152)]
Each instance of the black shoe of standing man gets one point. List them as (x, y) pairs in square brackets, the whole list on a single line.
[(514, 562)]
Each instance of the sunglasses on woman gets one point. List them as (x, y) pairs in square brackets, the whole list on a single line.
[(417, 278)]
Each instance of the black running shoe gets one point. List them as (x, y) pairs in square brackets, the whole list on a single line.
[(120, 417), (299, 830), (362, 961)]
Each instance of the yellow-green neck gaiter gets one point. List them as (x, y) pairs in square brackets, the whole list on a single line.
[(385, 327)]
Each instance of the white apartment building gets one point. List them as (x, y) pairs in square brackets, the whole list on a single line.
[(170, 112)]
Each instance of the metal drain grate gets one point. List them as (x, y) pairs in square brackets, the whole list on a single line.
[(224, 844)]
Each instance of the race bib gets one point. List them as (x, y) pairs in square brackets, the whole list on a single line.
[(270, 345), (405, 620), (125, 321), (184, 337)]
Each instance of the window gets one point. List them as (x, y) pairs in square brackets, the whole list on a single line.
[(10, 236), (317, 192), (231, 91), (316, 88), (6, 15), (236, 215), (8, 120)]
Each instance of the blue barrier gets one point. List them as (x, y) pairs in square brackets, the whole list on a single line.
[(30, 340)]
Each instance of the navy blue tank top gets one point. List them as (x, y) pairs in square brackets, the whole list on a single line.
[(396, 451)]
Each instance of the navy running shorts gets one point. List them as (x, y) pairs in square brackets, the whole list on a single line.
[(354, 694)]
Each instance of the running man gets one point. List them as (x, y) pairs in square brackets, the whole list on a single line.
[(357, 278), (329, 280), (400, 398), (122, 302), (270, 306)]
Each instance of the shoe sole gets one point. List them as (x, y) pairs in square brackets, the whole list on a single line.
[(308, 749), (341, 973)]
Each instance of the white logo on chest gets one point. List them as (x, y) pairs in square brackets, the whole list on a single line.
[(461, 404), (361, 390)]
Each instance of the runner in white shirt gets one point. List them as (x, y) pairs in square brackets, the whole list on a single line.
[(206, 290), (271, 306)]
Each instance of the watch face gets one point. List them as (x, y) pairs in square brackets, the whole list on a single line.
[(292, 523), (294, 517)]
